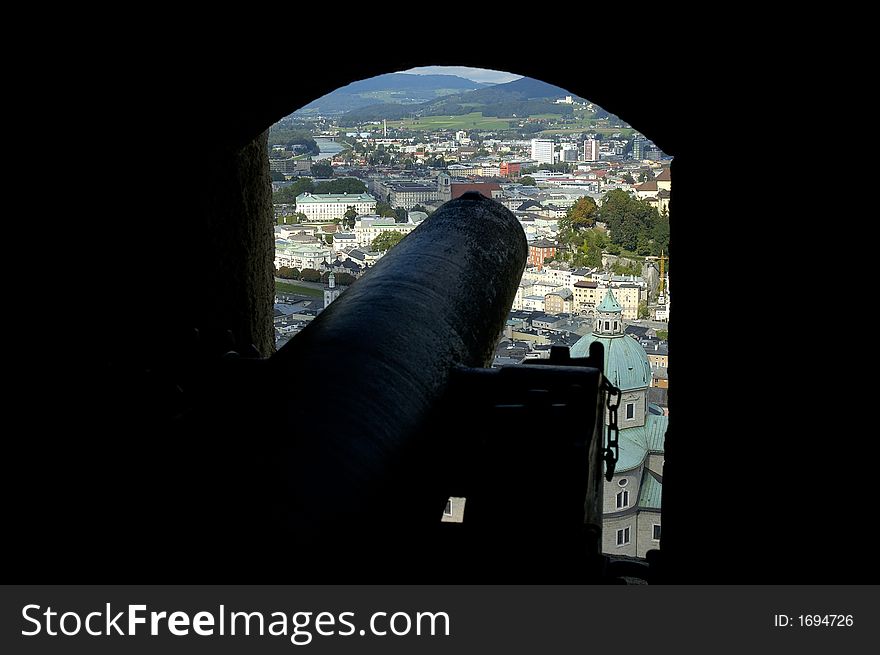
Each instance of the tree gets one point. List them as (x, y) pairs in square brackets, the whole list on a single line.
[(400, 215), (322, 169), (582, 214), (643, 309), (342, 185), (349, 217), (329, 239), (287, 273), (420, 208), (289, 193), (630, 220), (277, 176), (527, 180), (310, 275), (386, 241), (629, 179), (385, 210)]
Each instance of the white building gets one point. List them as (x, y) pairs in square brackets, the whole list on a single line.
[(327, 207), (367, 228), (343, 240), (542, 151), (300, 255)]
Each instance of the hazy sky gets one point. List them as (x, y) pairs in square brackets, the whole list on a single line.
[(475, 74)]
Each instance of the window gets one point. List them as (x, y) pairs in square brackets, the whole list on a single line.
[(656, 534), (615, 325), (630, 410), (623, 537), (622, 482), (606, 325), (622, 499), (448, 510)]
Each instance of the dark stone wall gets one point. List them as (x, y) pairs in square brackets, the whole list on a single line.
[(235, 257)]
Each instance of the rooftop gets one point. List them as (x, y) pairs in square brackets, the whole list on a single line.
[(308, 198)]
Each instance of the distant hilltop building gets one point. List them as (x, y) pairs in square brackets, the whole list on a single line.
[(631, 522), (325, 207)]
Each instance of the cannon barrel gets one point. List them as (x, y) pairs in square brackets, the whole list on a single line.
[(381, 357)]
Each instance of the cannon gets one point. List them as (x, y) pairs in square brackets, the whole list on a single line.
[(382, 408)]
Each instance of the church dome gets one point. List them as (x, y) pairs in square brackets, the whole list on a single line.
[(626, 362)]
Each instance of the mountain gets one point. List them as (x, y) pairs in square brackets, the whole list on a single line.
[(392, 88), (523, 97)]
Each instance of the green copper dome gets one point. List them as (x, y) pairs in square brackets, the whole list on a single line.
[(626, 363), (609, 303)]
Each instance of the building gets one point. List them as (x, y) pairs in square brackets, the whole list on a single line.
[(646, 190), (410, 194), (639, 145), (367, 228), (585, 296), (568, 153), (343, 240), (488, 189), (664, 179), (325, 207), (331, 291), (631, 522), (559, 301), (542, 151), (509, 169), (539, 251), (591, 150), (658, 354), (300, 255)]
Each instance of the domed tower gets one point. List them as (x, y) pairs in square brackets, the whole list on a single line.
[(631, 504), (331, 291), (626, 363)]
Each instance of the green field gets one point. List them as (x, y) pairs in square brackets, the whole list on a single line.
[(288, 287), (474, 120)]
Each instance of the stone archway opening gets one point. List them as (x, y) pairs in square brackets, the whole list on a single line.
[(376, 157)]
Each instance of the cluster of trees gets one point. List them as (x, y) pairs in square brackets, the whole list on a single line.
[(630, 268), (312, 275), (279, 134), (385, 210), (307, 185), (561, 167), (386, 241), (322, 170), (634, 225), (297, 217), (287, 273), (289, 193)]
